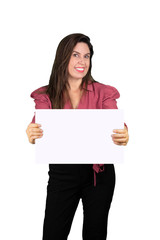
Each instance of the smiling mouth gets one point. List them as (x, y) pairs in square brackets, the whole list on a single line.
[(80, 69)]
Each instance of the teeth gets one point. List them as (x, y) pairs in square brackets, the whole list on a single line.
[(80, 69)]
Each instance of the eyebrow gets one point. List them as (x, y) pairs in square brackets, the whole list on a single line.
[(79, 53)]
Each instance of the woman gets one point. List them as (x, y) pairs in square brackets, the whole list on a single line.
[(72, 86)]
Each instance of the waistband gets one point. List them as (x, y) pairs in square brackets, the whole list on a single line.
[(97, 168)]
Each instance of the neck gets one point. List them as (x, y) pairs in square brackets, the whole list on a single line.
[(74, 85)]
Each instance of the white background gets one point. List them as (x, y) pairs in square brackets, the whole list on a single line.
[(125, 35)]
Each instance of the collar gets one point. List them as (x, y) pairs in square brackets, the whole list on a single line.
[(89, 86)]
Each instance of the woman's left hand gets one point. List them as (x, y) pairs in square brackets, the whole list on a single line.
[(121, 136)]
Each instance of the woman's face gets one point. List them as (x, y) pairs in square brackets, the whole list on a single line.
[(79, 62)]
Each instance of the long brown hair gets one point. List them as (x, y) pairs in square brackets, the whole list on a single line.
[(59, 75)]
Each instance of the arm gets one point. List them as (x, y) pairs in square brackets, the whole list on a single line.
[(33, 130), (120, 136)]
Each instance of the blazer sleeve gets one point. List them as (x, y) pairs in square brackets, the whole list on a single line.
[(109, 98), (41, 102)]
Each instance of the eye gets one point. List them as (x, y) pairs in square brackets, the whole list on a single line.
[(87, 56), (75, 54)]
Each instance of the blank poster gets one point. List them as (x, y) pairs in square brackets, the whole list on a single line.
[(78, 136)]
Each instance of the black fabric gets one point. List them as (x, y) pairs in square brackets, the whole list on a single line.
[(68, 183)]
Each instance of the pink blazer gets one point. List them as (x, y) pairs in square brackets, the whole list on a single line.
[(98, 96)]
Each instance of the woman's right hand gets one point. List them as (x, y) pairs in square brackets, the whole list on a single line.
[(34, 131)]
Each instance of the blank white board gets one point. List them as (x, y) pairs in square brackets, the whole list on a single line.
[(78, 136)]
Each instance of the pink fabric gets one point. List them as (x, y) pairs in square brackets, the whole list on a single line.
[(99, 96)]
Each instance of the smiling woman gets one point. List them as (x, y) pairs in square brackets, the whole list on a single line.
[(77, 69), (79, 61), (71, 69), (72, 86)]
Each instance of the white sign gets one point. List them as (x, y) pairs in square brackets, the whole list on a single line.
[(78, 136)]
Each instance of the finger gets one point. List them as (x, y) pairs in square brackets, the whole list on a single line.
[(35, 125), (33, 142), (32, 134), (34, 130), (119, 131), (31, 126), (120, 140), (114, 136), (34, 137), (120, 144)]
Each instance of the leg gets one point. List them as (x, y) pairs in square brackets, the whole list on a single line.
[(96, 204), (62, 201)]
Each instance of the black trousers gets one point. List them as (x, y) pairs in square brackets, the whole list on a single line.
[(68, 183)]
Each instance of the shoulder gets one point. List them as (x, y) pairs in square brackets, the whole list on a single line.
[(41, 98), (39, 92), (106, 90)]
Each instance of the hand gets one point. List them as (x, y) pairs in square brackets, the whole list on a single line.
[(34, 131), (121, 136)]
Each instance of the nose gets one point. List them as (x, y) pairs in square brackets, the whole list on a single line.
[(81, 60)]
